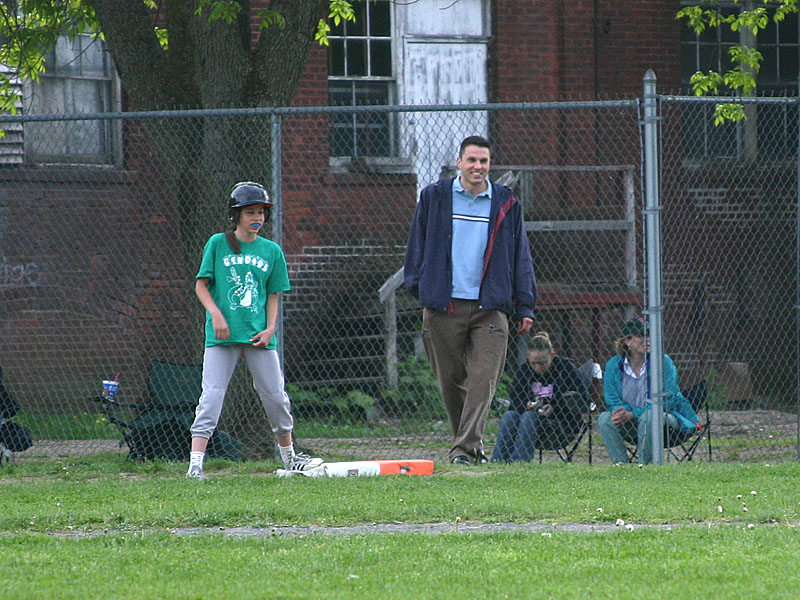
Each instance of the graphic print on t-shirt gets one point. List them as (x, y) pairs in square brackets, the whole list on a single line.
[(243, 294), (542, 391)]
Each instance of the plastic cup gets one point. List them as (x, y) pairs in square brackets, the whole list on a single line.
[(110, 388)]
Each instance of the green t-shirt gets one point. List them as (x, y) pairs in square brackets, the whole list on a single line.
[(240, 284)]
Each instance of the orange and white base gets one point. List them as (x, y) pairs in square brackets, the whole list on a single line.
[(359, 468)]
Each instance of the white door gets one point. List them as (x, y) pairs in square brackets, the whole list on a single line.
[(443, 62)]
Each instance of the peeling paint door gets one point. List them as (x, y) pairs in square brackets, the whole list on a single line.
[(444, 61)]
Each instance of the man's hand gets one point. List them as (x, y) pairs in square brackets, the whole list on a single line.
[(620, 416), (524, 325)]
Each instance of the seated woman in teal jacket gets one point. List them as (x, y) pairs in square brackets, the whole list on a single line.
[(628, 414)]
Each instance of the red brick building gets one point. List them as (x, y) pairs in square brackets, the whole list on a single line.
[(88, 247)]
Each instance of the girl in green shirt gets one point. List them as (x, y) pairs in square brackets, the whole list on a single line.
[(240, 277)]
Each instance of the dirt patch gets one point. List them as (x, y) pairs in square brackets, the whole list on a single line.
[(745, 436), (56, 449), (544, 529)]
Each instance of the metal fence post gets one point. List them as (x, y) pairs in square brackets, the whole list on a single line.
[(797, 284), (653, 264), (277, 210)]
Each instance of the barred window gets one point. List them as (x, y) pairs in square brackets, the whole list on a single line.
[(360, 72), (79, 78), (775, 125)]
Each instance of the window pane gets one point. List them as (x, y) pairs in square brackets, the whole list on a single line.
[(356, 58), (710, 59), (708, 36), (336, 58), (787, 30), (363, 54), (768, 35), (688, 63), (50, 60), (92, 57), (342, 141), (360, 134), (66, 55), (78, 79), (769, 66), (373, 139), (84, 141), (336, 30), (381, 58), (371, 92), (340, 93), (380, 22), (725, 33), (359, 26), (788, 65)]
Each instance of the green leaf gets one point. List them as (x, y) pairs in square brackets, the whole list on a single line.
[(728, 113), (219, 10), (323, 29), (704, 83), (739, 79), (163, 38), (268, 18)]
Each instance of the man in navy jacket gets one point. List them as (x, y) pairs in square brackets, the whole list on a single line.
[(469, 263)]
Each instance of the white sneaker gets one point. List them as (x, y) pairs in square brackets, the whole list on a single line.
[(303, 462), (196, 472)]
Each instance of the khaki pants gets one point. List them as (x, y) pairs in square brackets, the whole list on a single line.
[(467, 352)]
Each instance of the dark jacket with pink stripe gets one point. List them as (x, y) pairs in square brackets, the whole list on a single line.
[(508, 282)]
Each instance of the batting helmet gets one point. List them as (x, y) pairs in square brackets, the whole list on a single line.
[(247, 193)]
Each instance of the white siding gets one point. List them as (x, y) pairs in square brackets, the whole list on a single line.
[(12, 144)]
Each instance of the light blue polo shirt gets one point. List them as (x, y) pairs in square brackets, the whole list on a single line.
[(470, 235)]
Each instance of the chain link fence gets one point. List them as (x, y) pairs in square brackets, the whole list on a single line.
[(730, 266), (103, 221)]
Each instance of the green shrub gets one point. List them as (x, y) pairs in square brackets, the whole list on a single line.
[(327, 403)]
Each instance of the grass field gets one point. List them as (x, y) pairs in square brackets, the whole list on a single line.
[(102, 527)]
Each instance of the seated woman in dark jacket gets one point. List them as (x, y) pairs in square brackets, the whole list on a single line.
[(541, 403)]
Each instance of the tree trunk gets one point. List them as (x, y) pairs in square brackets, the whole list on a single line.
[(207, 66)]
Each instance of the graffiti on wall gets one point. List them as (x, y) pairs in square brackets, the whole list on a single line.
[(15, 275), (18, 275)]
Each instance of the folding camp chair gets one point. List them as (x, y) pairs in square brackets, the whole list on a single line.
[(565, 446), (681, 445), (13, 436), (160, 428)]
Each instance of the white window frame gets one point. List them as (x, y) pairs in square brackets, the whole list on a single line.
[(66, 134), (359, 125)]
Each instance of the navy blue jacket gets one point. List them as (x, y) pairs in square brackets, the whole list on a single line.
[(508, 282)]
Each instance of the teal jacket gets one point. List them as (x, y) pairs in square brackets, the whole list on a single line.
[(675, 403)]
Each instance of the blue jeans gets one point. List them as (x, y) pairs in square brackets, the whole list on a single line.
[(516, 440), (636, 431)]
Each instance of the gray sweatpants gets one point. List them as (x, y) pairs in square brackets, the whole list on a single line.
[(219, 363)]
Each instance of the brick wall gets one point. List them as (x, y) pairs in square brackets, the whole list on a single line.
[(105, 271), (92, 283), (581, 48)]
